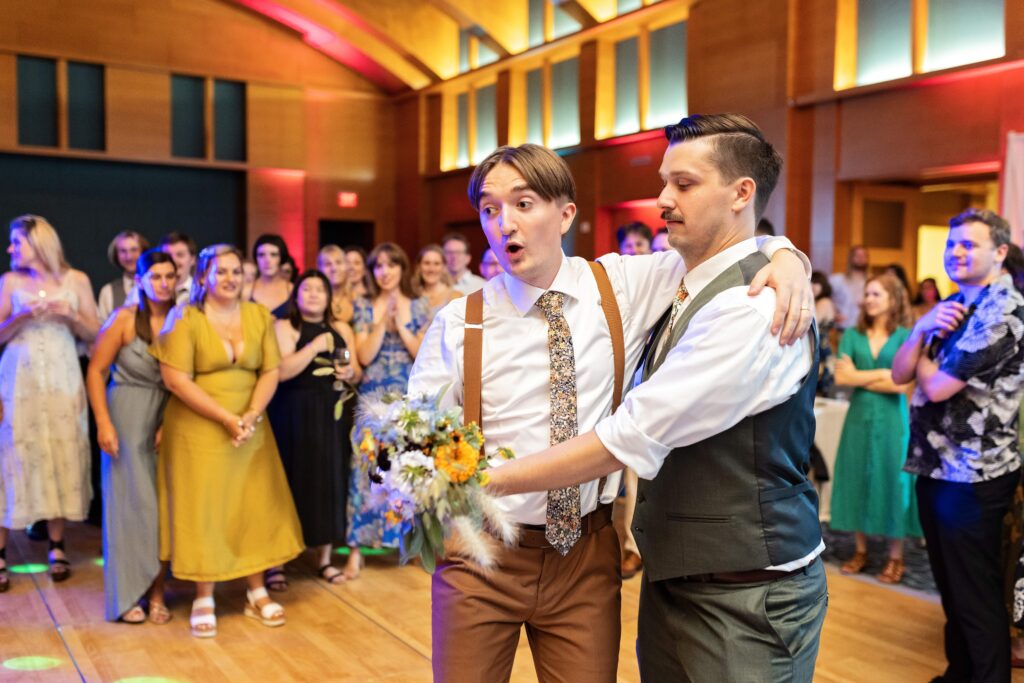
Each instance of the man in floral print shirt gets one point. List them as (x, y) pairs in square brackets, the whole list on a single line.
[(967, 357)]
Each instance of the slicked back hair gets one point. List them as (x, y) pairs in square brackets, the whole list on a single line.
[(740, 150), (545, 172)]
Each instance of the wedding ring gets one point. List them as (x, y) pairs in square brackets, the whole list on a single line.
[(805, 308)]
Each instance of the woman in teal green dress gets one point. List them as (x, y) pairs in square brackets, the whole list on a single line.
[(872, 495)]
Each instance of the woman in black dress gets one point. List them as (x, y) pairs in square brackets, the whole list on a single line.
[(315, 448)]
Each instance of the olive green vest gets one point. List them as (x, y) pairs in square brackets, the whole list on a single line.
[(739, 500)]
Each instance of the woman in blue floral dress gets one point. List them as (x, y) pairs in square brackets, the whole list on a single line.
[(389, 324)]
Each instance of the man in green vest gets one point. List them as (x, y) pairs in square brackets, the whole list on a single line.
[(718, 427)]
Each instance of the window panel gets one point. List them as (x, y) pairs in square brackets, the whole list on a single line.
[(462, 111), (667, 101), (463, 51), (86, 107), (486, 122), (229, 120), (627, 90), (536, 13), (623, 6), (564, 24), (484, 54), (565, 105), (37, 101), (883, 40), (535, 107), (962, 32), (188, 134)]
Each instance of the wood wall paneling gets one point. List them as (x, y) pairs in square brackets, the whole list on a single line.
[(736, 62), (433, 115), (823, 187), (275, 202), (276, 126), (8, 101), (191, 36), (903, 133), (814, 48), (588, 79), (138, 113), (798, 171)]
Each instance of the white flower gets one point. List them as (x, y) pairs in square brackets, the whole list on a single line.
[(415, 458)]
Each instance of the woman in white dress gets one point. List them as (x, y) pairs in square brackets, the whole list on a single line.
[(44, 443)]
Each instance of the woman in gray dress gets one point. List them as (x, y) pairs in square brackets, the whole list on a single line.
[(128, 414)]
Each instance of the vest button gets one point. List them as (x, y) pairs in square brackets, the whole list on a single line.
[(637, 530)]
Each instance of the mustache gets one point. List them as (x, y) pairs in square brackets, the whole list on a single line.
[(667, 215)]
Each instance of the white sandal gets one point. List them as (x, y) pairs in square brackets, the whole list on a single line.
[(265, 614), (198, 620)]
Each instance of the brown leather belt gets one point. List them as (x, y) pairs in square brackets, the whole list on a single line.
[(753, 576), (532, 535)]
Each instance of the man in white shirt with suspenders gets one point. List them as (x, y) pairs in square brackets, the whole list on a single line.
[(537, 356), (719, 430)]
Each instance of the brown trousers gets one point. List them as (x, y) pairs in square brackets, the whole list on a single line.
[(571, 607)]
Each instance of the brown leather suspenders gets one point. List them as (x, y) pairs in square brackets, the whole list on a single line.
[(472, 353), (472, 350)]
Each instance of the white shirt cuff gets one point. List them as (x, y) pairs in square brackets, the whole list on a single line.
[(621, 436)]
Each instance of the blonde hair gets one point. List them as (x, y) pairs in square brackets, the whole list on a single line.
[(417, 276), (197, 297), (899, 313), (123, 235), (44, 241)]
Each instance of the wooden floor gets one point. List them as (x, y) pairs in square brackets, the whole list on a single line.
[(374, 629)]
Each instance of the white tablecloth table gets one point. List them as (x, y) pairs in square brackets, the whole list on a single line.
[(830, 414)]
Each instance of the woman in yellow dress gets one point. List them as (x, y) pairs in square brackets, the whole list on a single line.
[(225, 507)]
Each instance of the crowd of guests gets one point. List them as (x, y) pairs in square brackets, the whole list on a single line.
[(226, 449), (224, 455)]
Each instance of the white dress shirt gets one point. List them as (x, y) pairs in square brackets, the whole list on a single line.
[(105, 302), (515, 401), (468, 283), (726, 366), (847, 295), (182, 291)]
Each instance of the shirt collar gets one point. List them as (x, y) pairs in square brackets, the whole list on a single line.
[(701, 276), (524, 296)]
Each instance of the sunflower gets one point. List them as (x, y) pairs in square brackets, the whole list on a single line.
[(368, 447), (458, 460)]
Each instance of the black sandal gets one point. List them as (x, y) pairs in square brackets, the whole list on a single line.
[(333, 580), (60, 568), (275, 580), (5, 582)]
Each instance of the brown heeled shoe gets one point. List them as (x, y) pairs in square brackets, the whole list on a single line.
[(893, 571), (856, 564)]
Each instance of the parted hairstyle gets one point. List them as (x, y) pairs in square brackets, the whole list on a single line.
[(294, 315), (124, 234), (740, 150), (147, 260), (417, 275), (273, 240), (45, 242), (545, 172), (178, 237), (634, 228), (899, 314), (207, 257), (397, 256)]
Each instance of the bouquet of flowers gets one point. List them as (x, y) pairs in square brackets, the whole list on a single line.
[(430, 469)]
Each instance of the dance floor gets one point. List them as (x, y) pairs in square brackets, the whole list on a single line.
[(374, 629)]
